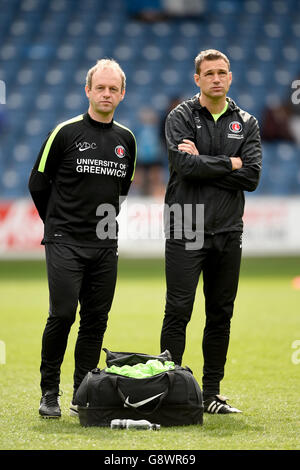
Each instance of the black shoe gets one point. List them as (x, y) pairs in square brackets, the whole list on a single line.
[(217, 405), (50, 406)]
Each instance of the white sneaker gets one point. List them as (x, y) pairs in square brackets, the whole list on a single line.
[(73, 410)]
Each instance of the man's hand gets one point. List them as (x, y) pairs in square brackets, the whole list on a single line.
[(236, 163), (189, 147)]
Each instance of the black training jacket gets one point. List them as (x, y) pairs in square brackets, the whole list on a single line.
[(82, 164), (208, 178)]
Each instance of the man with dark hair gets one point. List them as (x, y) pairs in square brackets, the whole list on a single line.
[(214, 152), (209, 54), (85, 165)]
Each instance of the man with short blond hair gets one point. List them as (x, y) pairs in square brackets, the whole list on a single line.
[(86, 164), (102, 64), (214, 152)]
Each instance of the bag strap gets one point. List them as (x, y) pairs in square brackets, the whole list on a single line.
[(115, 380)]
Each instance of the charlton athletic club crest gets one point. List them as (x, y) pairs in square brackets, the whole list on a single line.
[(235, 127), (120, 151)]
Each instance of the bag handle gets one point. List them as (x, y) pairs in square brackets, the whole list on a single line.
[(115, 380)]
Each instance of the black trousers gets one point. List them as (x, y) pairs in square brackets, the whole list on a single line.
[(219, 260), (84, 275)]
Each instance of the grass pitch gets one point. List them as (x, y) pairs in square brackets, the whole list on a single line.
[(262, 375)]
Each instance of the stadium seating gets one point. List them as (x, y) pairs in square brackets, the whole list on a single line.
[(48, 46)]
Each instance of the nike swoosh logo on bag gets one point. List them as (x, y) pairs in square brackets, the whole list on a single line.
[(140, 403)]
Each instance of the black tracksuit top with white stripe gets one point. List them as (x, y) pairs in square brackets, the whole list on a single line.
[(82, 164)]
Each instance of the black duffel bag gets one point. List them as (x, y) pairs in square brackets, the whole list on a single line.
[(170, 398)]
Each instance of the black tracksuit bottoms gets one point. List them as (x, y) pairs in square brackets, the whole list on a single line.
[(219, 260), (76, 275)]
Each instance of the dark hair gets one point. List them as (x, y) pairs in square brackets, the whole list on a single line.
[(209, 54)]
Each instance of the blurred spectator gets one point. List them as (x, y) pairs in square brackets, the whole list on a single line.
[(147, 10), (276, 123), (281, 121), (172, 104), (160, 10), (148, 179), (184, 8)]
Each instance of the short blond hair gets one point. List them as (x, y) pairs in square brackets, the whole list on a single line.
[(209, 54), (102, 64)]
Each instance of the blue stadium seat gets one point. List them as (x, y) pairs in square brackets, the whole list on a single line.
[(47, 48)]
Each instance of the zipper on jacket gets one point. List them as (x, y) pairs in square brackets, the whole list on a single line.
[(217, 151)]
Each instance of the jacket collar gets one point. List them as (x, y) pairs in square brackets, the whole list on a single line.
[(195, 104)]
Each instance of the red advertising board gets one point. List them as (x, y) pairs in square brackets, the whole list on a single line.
[(21, 229), (271, 226)]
